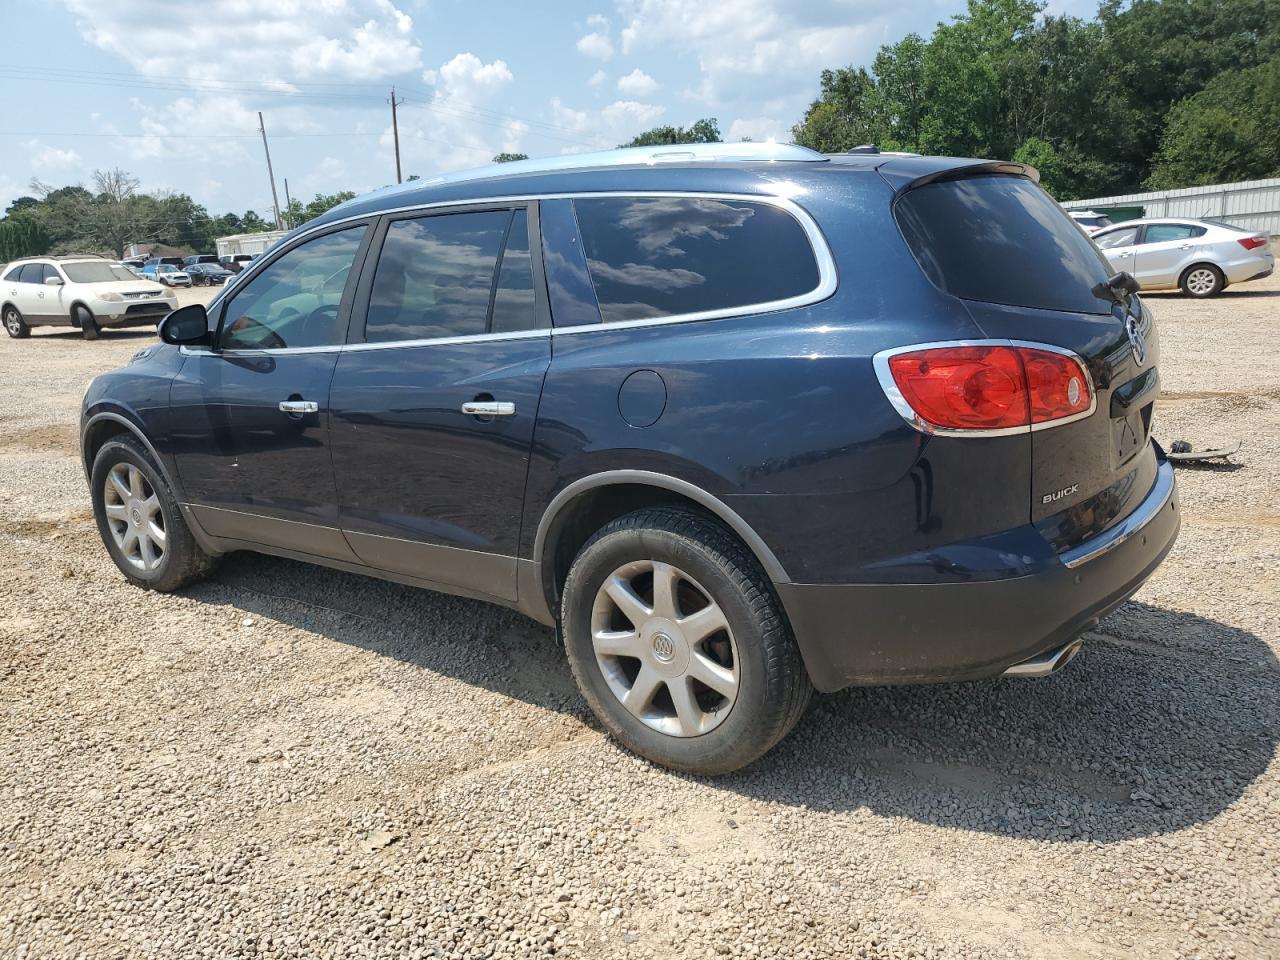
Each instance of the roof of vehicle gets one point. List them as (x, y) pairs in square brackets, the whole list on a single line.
[(767, 169), (1198, 221), (60, 258)]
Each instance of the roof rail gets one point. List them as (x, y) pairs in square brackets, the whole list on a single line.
[(766, 151)]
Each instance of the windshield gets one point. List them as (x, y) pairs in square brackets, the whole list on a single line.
[(1002, 239), (167, 268), (91, 271)]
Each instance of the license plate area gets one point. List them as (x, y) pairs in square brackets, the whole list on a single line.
[(1129, 434)]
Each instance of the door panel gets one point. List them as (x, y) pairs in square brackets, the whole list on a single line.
[(251, 418), (450, 317), (425, 489)]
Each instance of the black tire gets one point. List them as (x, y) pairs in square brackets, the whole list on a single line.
[(14, 325), (183, 561), (772, 685), (88, 326), (1201, 280)]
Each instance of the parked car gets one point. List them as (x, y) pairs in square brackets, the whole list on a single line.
[(149, 267), (1200, 257), (88, 293), (808, 421), (172, 276), (208, 274), (134, 263), (199, 258), (1090, 220), (236, 262)]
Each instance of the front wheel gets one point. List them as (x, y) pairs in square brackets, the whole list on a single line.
[(679, 643), (1203, 280), (14, 325), (88, 326), (139, 519)]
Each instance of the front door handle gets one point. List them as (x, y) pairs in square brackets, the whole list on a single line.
[(489, 408), (299, 407)]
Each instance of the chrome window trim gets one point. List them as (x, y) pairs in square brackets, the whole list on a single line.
[(881, 364), (828, 279)]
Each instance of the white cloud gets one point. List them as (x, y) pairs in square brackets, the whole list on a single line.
[(616, 123), (596, 44), (761, 54), (597, 80), (46, 159), (297, 39), (637, 83), (756, 128), (450, 133)]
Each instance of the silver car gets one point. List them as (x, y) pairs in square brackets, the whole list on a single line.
[(1200, 257)]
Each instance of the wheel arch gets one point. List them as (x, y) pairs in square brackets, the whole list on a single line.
[(105, 424), (588, 503), (1182, 275), (79, 305)]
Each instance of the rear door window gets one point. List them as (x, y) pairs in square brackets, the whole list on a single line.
[(32, 273), (1002, 239), (436, 277), (1164, 232), (665, 256)]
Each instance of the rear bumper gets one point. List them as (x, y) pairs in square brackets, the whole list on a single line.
[(919, 633), (1250, 268)]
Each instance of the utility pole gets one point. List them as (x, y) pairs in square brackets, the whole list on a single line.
[(288, 204), (395, 130), (275, 200)]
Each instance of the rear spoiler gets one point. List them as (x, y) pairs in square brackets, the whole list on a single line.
[(905, 173)]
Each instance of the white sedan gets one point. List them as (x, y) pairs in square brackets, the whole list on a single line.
[(1200, 257)]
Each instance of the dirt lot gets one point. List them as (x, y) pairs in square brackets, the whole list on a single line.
[(292, 762)]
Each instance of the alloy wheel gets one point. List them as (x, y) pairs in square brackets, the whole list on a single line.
[(665, 648), (1201, 281), (134, 516), (12, 323)]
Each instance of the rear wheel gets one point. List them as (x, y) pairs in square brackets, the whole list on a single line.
[(14, 325), (139, 519), (1202, 280), (88, 326), (679, 643)]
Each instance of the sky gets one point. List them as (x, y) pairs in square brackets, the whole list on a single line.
[(170, 91)]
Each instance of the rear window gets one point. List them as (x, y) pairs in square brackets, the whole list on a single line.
[(1002, 240), (665, 256)]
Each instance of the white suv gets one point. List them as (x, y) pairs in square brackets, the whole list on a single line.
[(84, 292)]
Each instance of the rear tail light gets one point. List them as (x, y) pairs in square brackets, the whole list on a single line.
[(999, 386), (1252, 243)]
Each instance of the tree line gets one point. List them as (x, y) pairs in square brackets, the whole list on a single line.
[(112, 213)]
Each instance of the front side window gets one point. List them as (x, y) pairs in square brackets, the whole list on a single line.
[(664, 256), (1164, 232), (50, 271), (295, 300), (452, 275), (1117, 238)]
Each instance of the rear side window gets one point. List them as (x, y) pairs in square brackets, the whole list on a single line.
[(666, 256), (12, 275), (1164, 232), (1002, 240), (439, 276)]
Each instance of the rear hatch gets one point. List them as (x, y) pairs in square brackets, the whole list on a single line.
[(1025, 272)]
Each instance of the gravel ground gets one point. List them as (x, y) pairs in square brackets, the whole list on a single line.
[(287, 761)]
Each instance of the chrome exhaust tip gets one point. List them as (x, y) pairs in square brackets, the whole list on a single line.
[(1045, 663)]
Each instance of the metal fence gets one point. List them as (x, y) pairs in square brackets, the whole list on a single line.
[(1252, 204)]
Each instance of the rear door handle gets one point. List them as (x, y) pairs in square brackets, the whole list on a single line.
[(297, 407), (489, 408)]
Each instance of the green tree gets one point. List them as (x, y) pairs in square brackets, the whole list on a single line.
[(1228, 131), (21, 237), (843, 116), (509, 157), (325, 202), (706, 130)]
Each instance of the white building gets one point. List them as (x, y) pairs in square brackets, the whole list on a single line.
[(250, 243), (1250, 204)]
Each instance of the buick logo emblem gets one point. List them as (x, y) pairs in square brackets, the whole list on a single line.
[(664, 648), (1137, 342)]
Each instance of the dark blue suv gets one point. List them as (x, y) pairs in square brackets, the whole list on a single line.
[(739, 420)]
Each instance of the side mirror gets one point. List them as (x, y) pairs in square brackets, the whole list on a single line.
[(187, 325), (1117, 287), (53, 281)]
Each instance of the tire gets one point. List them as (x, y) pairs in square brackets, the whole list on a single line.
[(180, 560), (1202, 280), (14, 325), (761, 684), (88, 326)]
